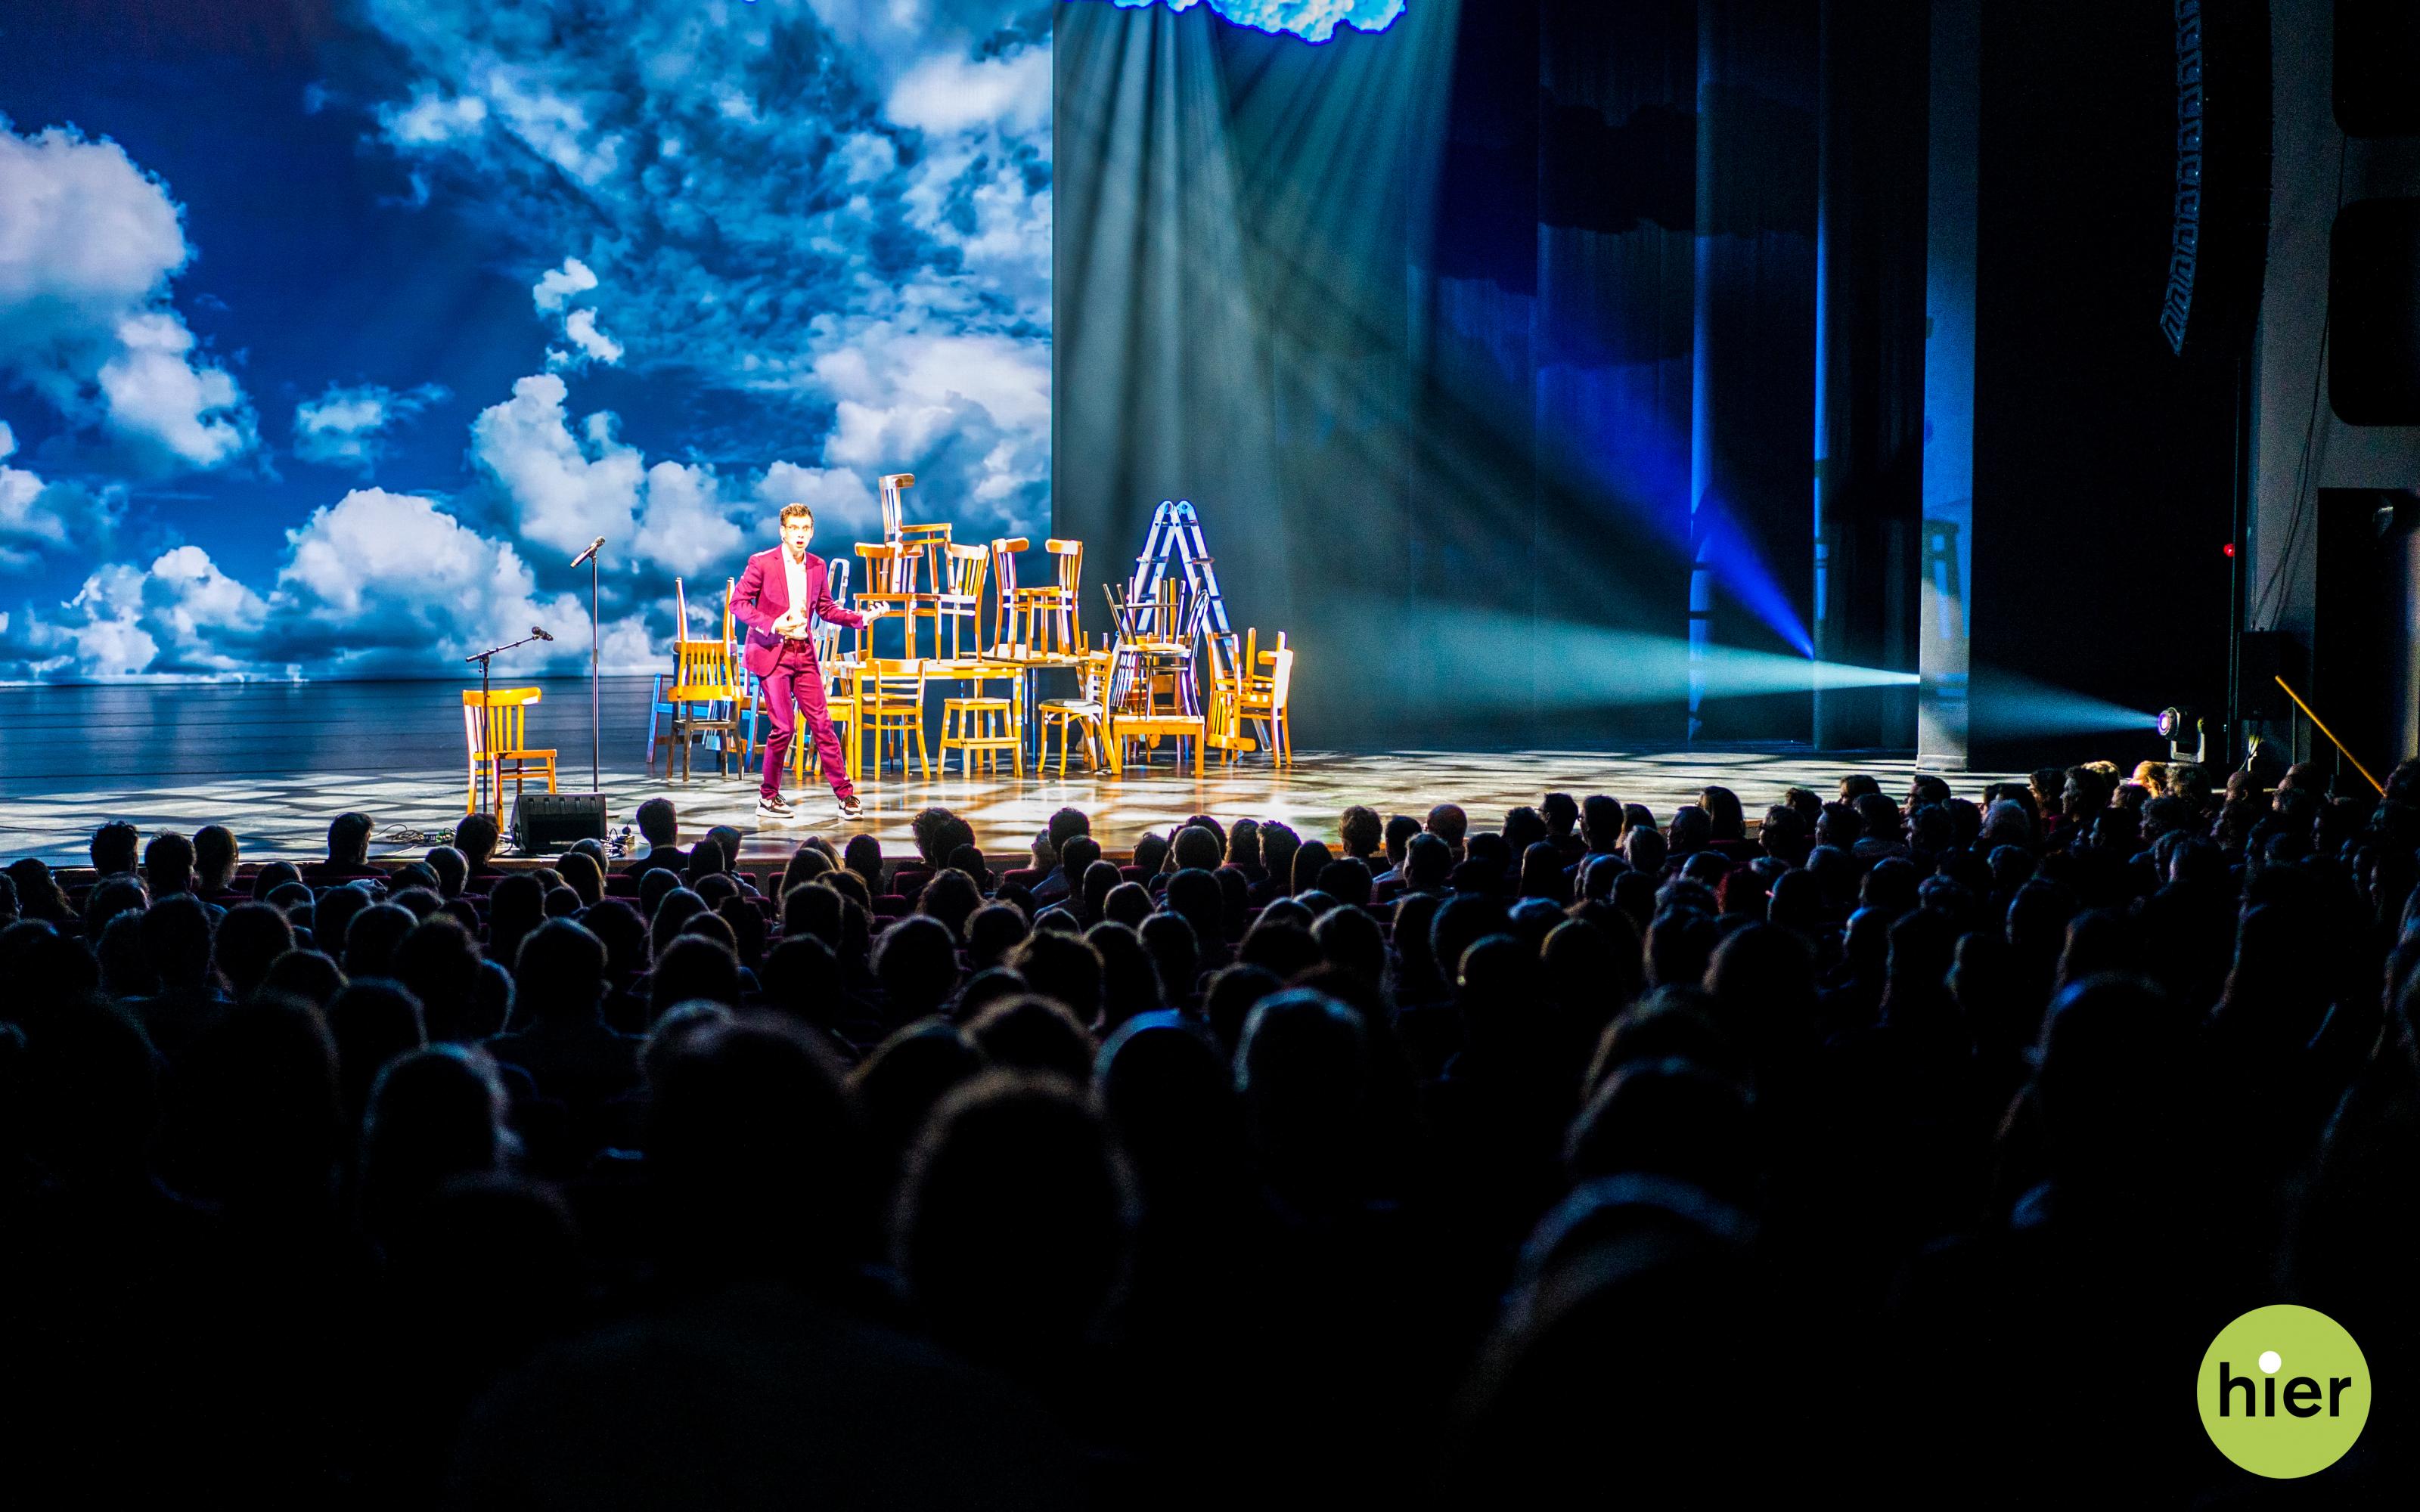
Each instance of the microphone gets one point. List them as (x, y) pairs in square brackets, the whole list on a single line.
[(592, 547), (540, 633)]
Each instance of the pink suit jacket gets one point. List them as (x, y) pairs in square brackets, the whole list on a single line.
[(764, 595)]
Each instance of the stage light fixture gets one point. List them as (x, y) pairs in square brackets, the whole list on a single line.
[(2174, 723)]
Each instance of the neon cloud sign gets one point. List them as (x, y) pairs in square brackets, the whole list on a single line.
[(1313, 21)]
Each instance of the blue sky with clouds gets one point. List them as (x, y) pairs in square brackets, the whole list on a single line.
[(330, 330)]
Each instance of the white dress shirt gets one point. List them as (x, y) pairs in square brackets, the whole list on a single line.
[(794, 573)]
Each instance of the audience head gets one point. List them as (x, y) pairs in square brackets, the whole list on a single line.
[(114, 847), (659, 824)]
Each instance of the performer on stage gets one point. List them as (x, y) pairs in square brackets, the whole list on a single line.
[(778, 598)]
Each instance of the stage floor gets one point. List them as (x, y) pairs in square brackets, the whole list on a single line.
[(276, 761), (286, 815)]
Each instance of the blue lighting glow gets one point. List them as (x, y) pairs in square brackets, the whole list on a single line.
[(1313, 21)]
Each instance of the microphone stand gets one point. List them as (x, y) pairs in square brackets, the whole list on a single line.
[(483, 657), (596, 738)]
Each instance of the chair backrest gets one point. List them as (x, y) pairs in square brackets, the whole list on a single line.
[(1284, 678), (505, 722), (1068, 557), (890, 567), (929, 539), (892, 484), (702, 671), (892, 679), (1070, 563), (1003, 565), (965, 568)]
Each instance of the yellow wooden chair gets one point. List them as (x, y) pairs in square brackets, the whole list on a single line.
[(495, 728), (1223, 704), (890, 696), (959, 599), (1088, 712), (1264, 700), (706, 700), (892, 570), (1153, 708), (841, 704), (981, 725)]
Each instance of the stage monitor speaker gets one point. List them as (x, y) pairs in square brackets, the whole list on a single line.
[(2377, 53), (2374, 312), (545, 824), (2266, 655)]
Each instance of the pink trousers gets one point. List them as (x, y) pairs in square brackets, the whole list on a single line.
[(794, 692)]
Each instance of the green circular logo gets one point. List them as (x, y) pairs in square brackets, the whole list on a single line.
[(2284, 1392)]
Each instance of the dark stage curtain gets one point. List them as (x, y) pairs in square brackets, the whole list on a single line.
[(1870, 390), (1239, 218), (1408, 317), (1755, 392)]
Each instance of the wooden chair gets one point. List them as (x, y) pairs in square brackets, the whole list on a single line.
[(983, 726), (663, 709), (840, 703), (1010, 633), (1222, 712), (890, 697), (1265, 697), (959, 596), (1089, 712), (891, 572), (1153, 696), (495, 729), (705, 698), (1054, 616)]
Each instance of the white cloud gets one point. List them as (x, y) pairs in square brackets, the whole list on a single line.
[(25, 525), (430, 119), (580, 327), (843, 502), (182, 616), (564, 490), (688, 527), (343, 426), (558, 286), (393, 581), (377, 582), (951, 94), (39, 519), (784, 191), (88, 247), (865, 156), (968, 415)]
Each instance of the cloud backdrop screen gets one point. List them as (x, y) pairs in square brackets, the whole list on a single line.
[(329, 332)]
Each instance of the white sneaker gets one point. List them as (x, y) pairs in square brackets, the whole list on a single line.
[(776, 806), (850, 808)]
